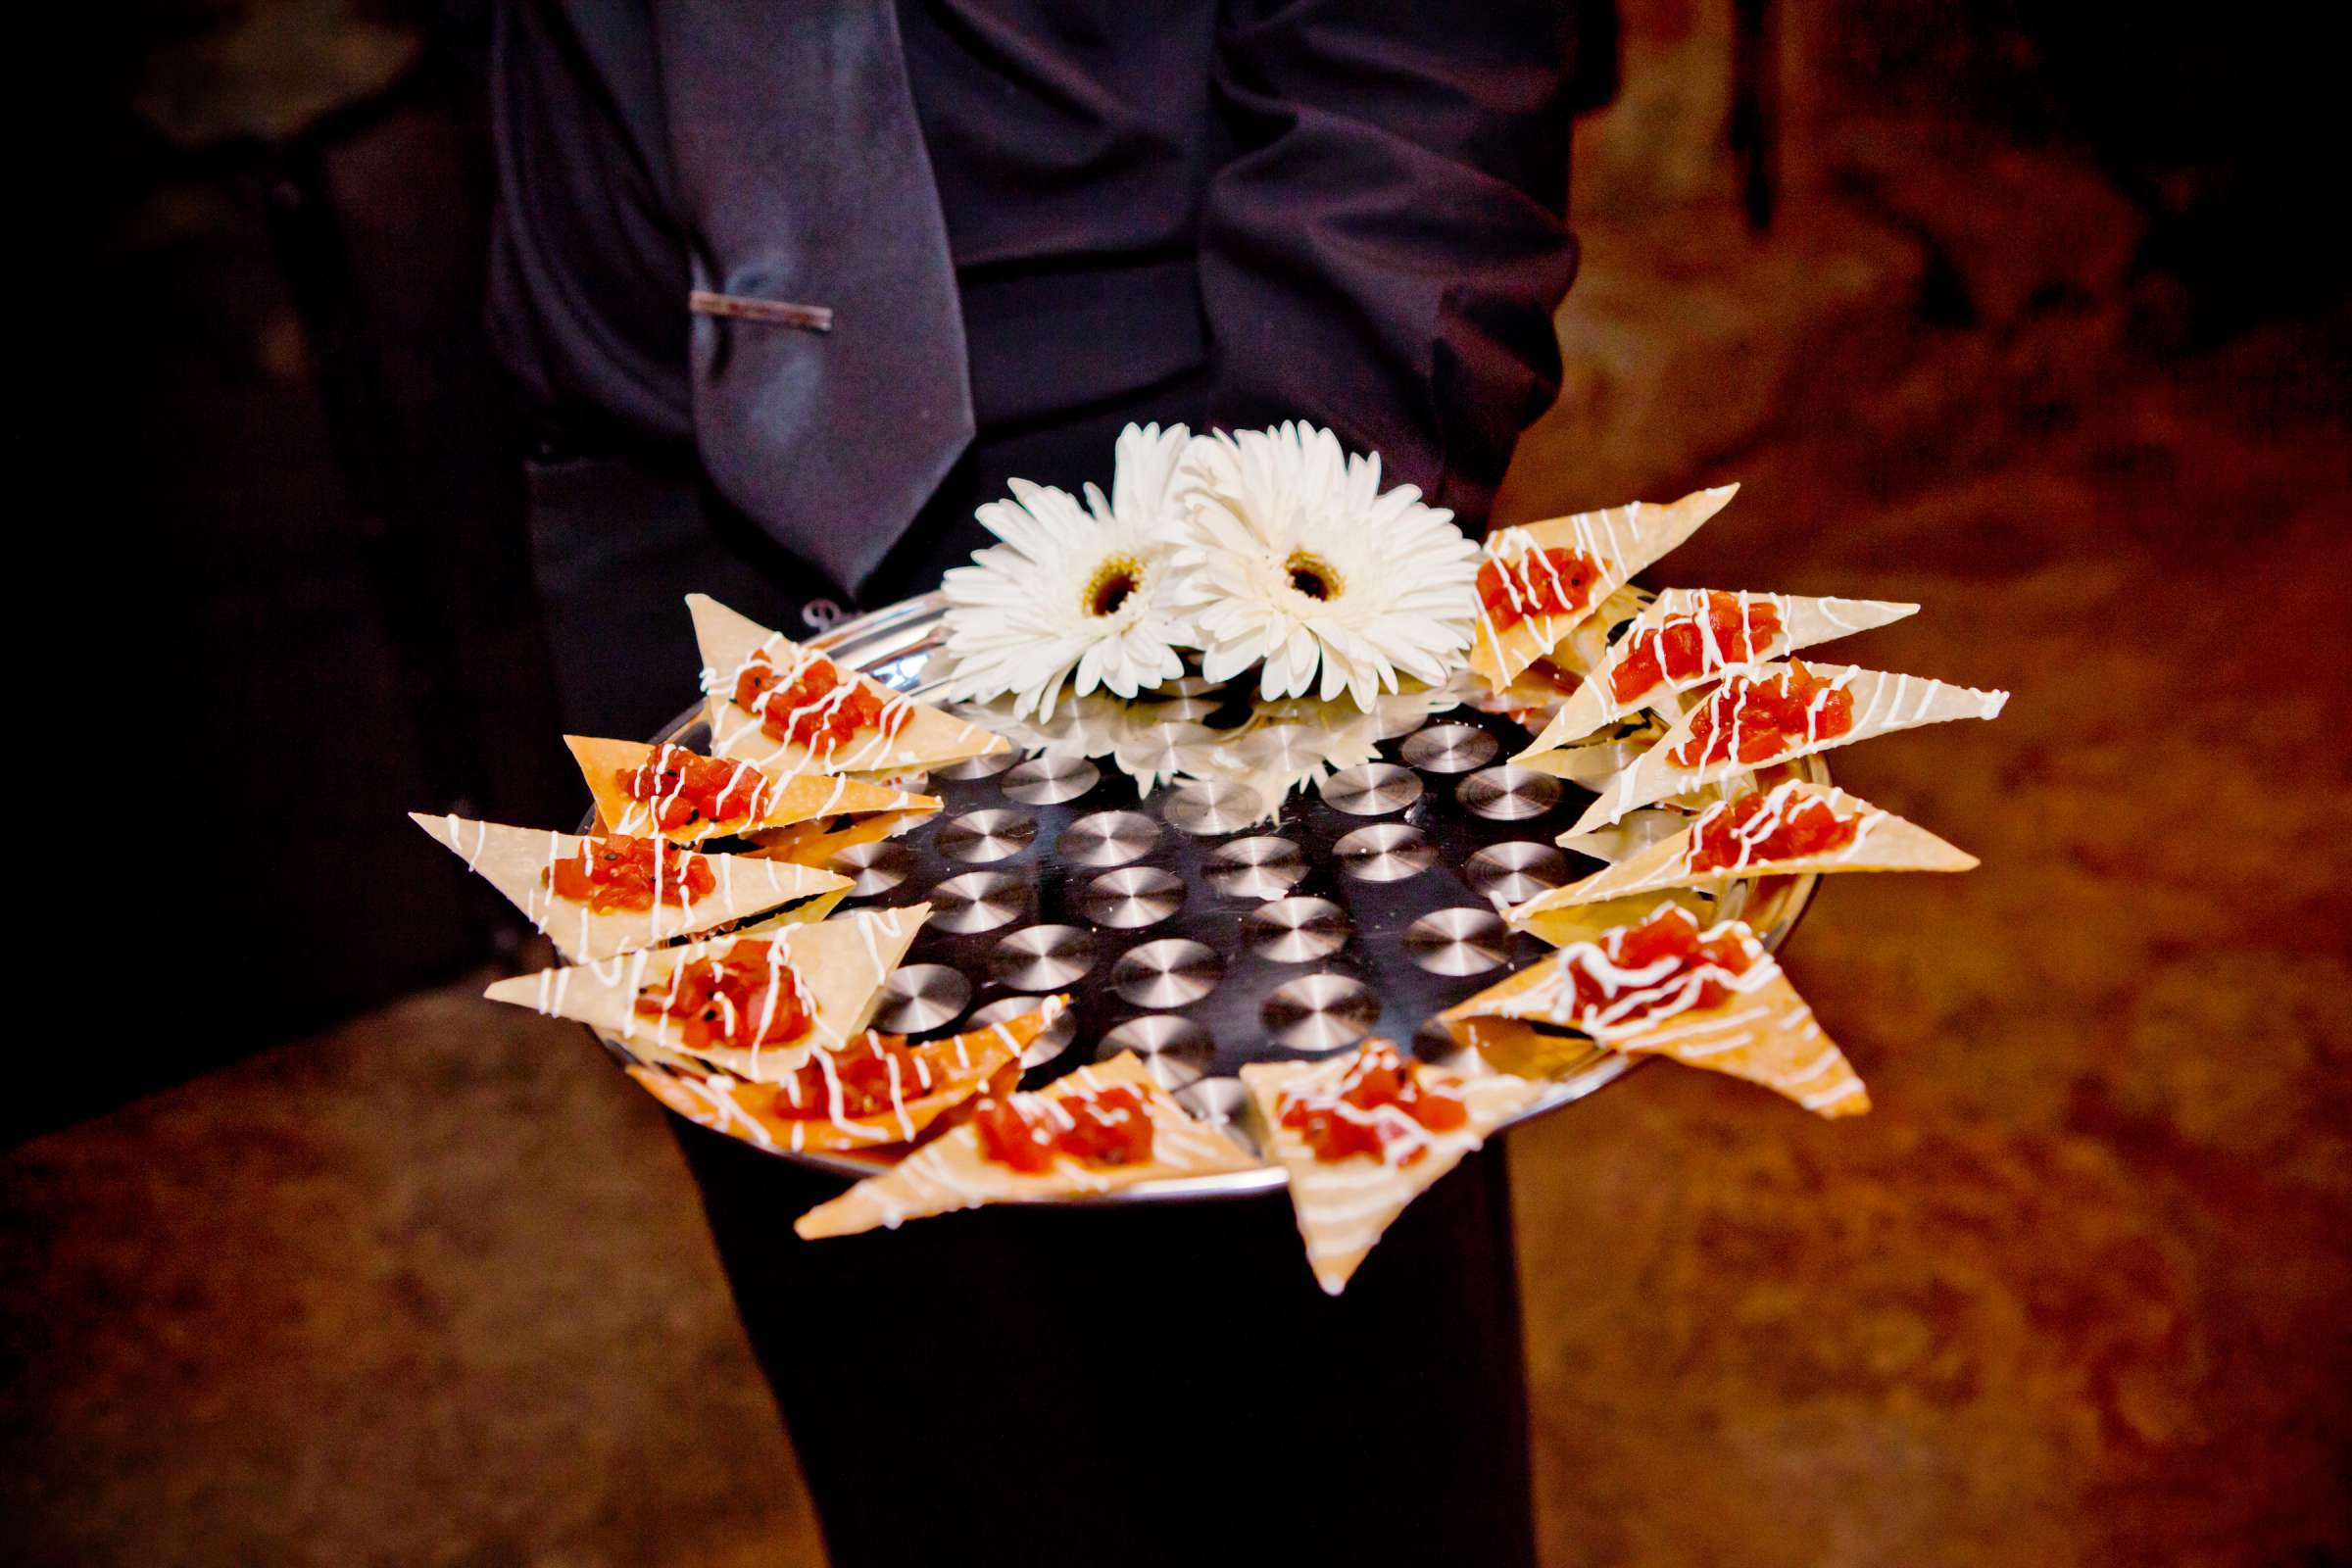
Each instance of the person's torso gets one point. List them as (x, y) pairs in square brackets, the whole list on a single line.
[(1065, 131), (1071, 143)]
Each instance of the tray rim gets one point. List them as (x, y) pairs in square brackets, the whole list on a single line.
[(877, 639)]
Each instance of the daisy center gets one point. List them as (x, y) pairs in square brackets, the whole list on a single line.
[(1113, 584), (1313, 577)]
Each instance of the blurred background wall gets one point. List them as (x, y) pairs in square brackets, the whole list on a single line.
[(1791, 194), (284, 201), (288, 210)]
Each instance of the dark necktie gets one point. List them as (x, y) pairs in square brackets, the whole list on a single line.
[(802, 175)]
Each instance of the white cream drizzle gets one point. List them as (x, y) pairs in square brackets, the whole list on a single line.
[(1325, 1092), (896, 1124), (1713, 663), (642, 817), (737, 728), (1781, 802), (1344, 1205), (1639, 1001), (927, 1182), (1891, 706), (1512, 548)]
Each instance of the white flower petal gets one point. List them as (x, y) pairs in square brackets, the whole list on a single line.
[(1018, 621), (1402, 577)]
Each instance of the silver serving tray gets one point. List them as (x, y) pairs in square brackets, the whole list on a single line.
[(895, 645)]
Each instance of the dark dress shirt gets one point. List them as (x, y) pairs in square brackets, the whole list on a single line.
[(1343, 210)]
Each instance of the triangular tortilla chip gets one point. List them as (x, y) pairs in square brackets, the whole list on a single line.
[(1586, 922), (818, 908), (842, 966), (516, 860), (1544, 682), (1537, 692), (958, 1067), (1803, 622), (820, 842), (1621, 541), (911, 737), (1587, 644), (1882, 703), (1526, 1050), (805, 798), (950, 1172), (1596, 757), (1761, 1031), (1882, 842), (1344, 1205), (1628, 835)]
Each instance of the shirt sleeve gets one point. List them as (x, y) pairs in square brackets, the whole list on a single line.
[(1385, 249), (588, 267)]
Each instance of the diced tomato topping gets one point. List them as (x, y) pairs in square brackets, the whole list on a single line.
[(1726, 631), (744, 997), (685, 788), (1744, 832), (1758, 719), (1380, 1101), (820, 709), (1663, 966), (1540, 583), (875, 1074), (1100, 1127), (610, 874)]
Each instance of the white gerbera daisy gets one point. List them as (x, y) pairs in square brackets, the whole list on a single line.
[(1075, 593), (1299, 561)]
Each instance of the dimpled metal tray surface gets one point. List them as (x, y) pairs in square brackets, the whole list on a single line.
[(1202, 937)]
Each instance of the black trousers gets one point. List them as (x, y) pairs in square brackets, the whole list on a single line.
[(1141, 1385), (1137, 1385)]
